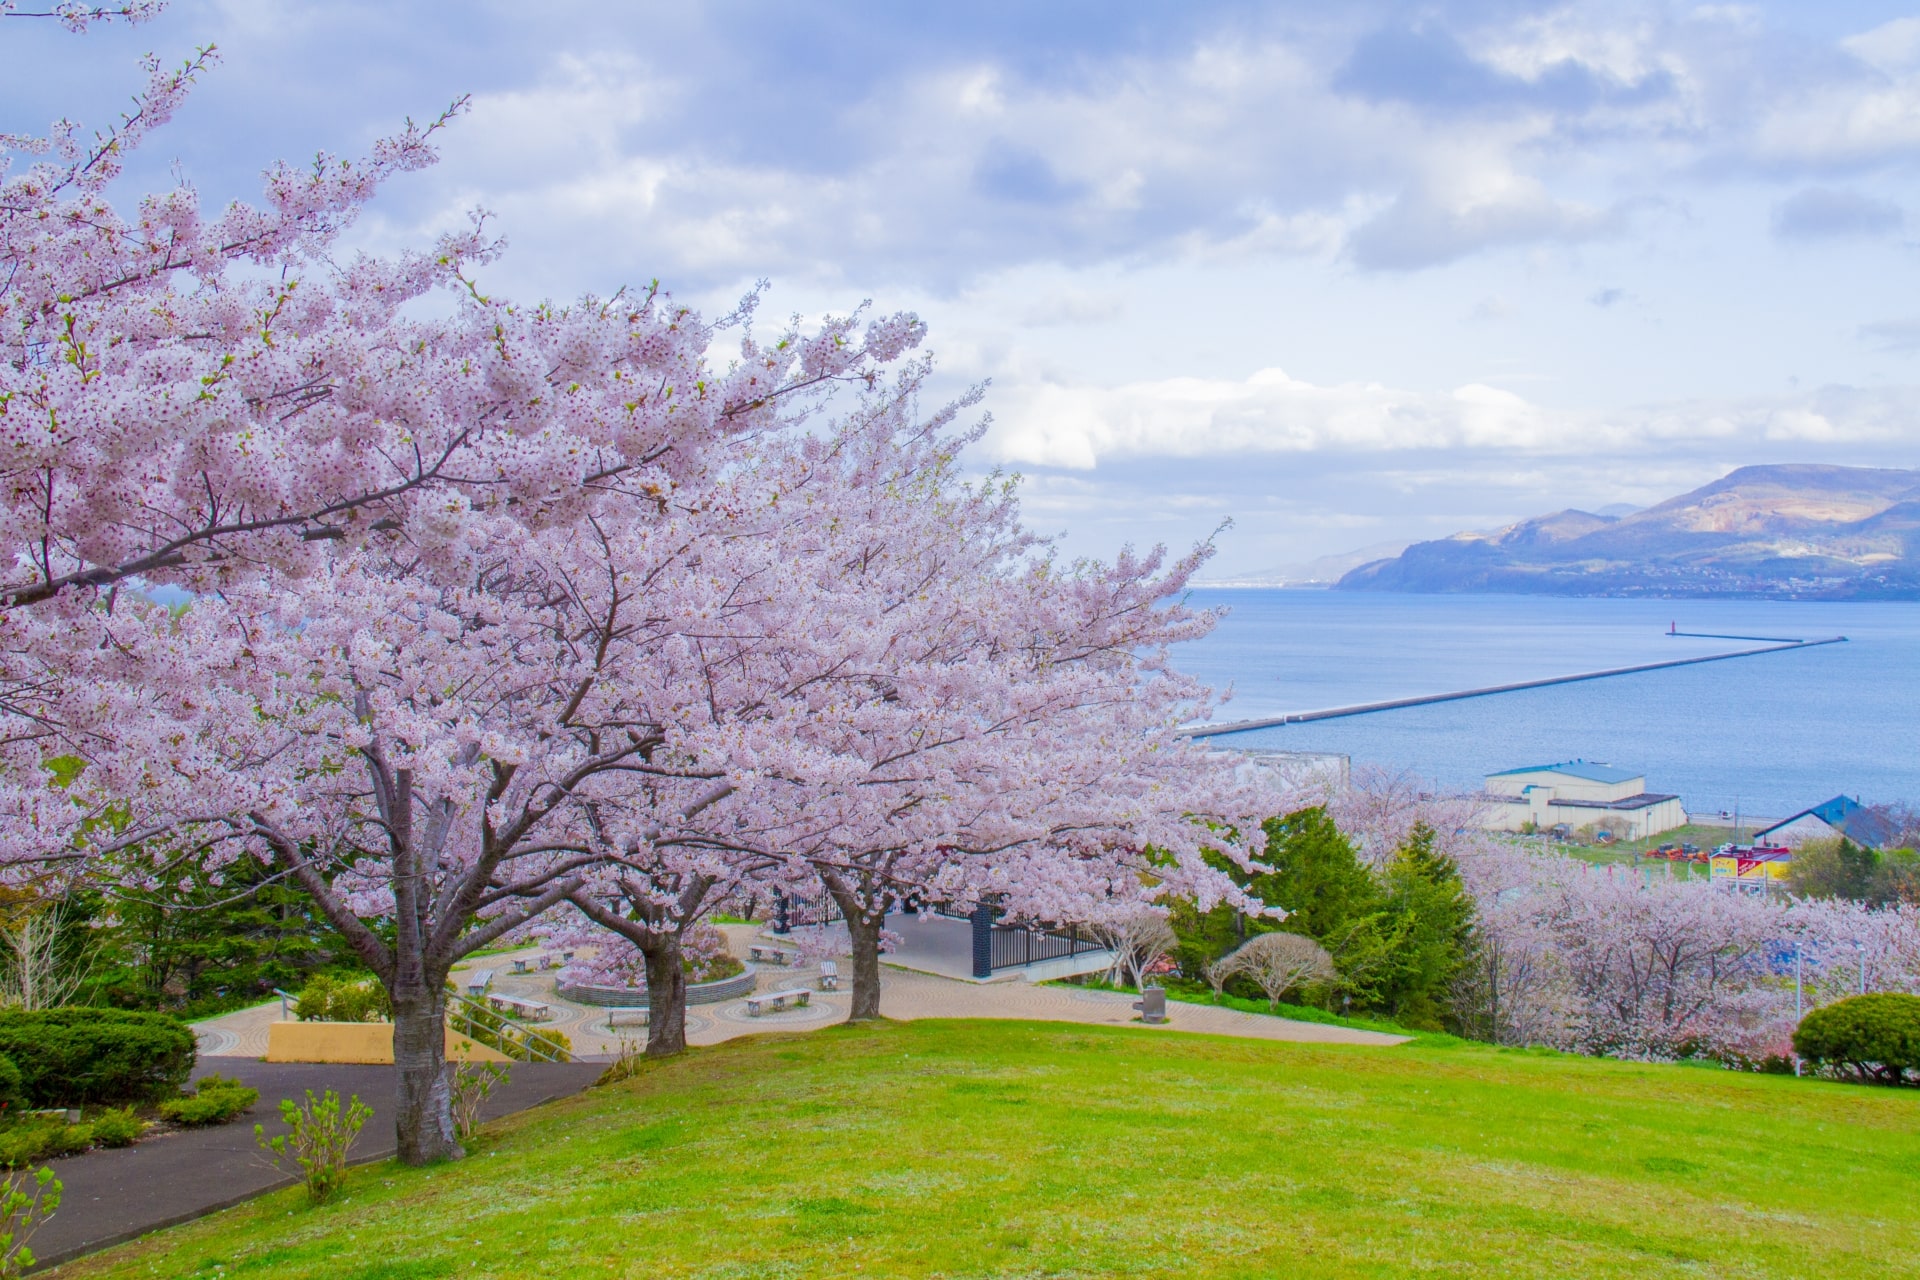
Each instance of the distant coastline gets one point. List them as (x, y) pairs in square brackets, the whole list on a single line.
[(1793, 532)]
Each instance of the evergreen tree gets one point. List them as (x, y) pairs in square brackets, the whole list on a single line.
[(1430, 932)]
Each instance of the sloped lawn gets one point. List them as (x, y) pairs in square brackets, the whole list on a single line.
[(972, 1148)]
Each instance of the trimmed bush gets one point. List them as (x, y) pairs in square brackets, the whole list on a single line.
[(329, 999), (117, 1127), (1873, 1038), (12, 1096), (38, 1138), (214, 1101), (71, 1057)]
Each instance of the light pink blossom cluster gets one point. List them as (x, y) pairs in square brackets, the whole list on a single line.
[(1637, 962)]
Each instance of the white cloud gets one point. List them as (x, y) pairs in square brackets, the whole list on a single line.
[(1269, 412)]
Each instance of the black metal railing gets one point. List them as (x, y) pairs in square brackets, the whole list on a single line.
[(1015, 944), (1012, 945)]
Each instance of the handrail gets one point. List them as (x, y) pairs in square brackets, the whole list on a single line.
[(537, 1047)]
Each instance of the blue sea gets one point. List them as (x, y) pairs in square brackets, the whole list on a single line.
[(1766, 736)]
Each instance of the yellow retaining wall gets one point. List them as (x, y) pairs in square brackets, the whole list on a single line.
[(370, 1042)]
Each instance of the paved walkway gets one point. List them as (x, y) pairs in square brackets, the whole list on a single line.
[(112, 1196), (904, 994)]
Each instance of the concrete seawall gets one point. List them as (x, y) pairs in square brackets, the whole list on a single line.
[(1367, 708)]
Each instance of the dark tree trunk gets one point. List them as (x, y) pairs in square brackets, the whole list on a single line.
[(864, 930), (666, 997), (423, 1116)]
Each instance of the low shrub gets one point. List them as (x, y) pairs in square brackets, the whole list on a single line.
[(12, 1096), (36, 1138), (323, 1134), (71, 1057), (555, 1041), (26, 1201), (214, 1101), (117, 1127), (330, 999), (714, 969), (472, 1083), (625, 1065), (1874, 1038)]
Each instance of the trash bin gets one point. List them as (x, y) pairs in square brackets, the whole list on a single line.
[(1152, 1004)]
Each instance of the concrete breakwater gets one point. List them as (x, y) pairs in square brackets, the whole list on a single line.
[(1367, 708)]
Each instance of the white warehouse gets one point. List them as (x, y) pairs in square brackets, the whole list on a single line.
[(1576, 794)]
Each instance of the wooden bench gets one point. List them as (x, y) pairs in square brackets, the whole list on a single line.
[(774, 1001), (478, 981), (644, 1013), (531, 1010), (829, 976), (765, 954)]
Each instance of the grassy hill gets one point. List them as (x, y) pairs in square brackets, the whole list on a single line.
[(968, 1148)]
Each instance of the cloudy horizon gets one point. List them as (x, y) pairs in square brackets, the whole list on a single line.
[(1347, 278)]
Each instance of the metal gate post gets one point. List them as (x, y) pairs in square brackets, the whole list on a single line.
[(982, 919)]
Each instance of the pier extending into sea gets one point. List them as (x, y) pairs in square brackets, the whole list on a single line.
[(1775, 645)]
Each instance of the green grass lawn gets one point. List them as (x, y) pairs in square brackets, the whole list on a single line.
[(972, 1148)]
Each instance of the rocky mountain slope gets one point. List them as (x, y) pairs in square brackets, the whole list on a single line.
[(1790, 532)]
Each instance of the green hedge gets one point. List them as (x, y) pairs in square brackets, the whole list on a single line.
[(71, 1057), (12, 1096), (1874, 1038), (214, 1101)]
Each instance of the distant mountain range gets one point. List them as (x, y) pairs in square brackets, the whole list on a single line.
[(1799, 532)]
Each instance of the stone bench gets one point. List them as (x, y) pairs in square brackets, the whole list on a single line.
[(641, 1011), (1152, 1005), (764, 954), (478, 981), (530, 1010), (774, 1001), (829, 976)]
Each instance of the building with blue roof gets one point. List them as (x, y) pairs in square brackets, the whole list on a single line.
[(1581, 795), (1841, 817)]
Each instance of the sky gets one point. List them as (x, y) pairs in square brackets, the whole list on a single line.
[(1341, 274)]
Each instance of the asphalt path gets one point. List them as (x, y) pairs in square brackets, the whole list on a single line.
[(112, 1196)]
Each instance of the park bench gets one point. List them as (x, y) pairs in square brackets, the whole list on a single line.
[(774, 1001), (478, 981), (520, 966), (1152, 1005), (829, 976), (644, 1013), (764, 954), (530, 1010)]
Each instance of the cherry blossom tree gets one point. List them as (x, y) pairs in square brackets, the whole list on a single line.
[(195, 398)]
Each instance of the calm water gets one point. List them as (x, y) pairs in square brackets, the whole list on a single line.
[(1771, 734)]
